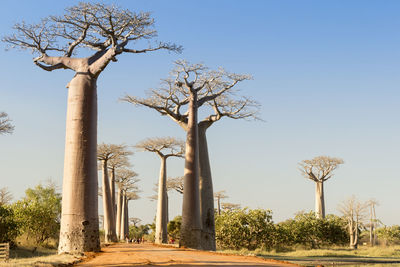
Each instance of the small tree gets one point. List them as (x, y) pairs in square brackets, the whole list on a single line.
[(5, 124), (5, 196), (164, 148), (319, 170), (107, 31), (354, 212), (38, 213), (9, 227)]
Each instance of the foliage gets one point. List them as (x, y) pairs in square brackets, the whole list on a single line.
[(312, 232), (174, 227), (244, 228), (138, 231), (38, 213), (389, 234), (9, 228)]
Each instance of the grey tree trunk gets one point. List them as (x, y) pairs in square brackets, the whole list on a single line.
[(319, 200), (79, 230), (109, 219), (112, 190), (119, 214), (126, 217), (219, 205), (206, 193), (161, 235), (191, 220), (123, 218)]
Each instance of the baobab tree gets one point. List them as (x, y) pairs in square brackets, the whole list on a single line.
[(354, 212), (164, 147), (105, 153), (229, 206), (108, 31), (319, 170), (372, 203), (127, 196), (193, 85), (218, 196), (175, 183), (126, 180), (5, 124), (119, 161)]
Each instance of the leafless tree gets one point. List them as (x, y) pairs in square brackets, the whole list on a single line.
[(5, 124), (164, 147), (5, 196), (175, 183), (218, 196), (192, 86), (135, 221), (372, 203), (106, 153), (126, 180), (108, 31), (354, 212), (229, 206), (318, 170)]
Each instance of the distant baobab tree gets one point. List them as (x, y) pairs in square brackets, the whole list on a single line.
[(5, 124), (107, 30), (319, 170), (175, 183), (164, 147), (372, 203), (105, 153), (192, 86), (218, 196), (229, 206), (354, 212), (126, 180)]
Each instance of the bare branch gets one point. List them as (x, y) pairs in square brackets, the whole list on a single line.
[(5, 196), (5, 124), (319, 169), (163, 146)]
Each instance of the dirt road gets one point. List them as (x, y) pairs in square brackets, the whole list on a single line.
[(151, 255)]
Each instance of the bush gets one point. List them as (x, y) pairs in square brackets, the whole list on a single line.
[(244, 228), (174, 227), (9, 228), (390, 235)]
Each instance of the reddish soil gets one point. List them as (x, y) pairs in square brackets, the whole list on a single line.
[(152, 255)]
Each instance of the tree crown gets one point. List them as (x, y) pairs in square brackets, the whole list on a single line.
[(319, 169)]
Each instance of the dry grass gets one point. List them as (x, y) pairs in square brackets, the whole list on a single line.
[(23, 256)]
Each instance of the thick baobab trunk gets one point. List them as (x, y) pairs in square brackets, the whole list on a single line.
[(206, 194), (126, 217), (191, 221), (109, 219), (161, 218), (123, 218), (119, 214), (112, 191), (79, 230), (319, 200)]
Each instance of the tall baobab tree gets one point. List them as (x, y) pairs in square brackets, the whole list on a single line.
[(372, 203), (119, 161), (164, 147), (194, 86), (126, 180), (106, 153), (218, 196), (5, 124), (319, 170), (108, 31), (354, 212), (127, 196)]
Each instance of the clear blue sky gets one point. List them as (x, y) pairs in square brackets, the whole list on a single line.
[(325, 72)]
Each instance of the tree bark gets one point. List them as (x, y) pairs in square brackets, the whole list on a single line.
[(206, 193), (319, 200), (191, 220), (112, 190), (161, 218), (123, 218), (109, 219), (119, 214), (79, 230), (126, 219), (219, 205)]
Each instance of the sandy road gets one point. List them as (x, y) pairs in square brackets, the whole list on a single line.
[(151, 255)]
